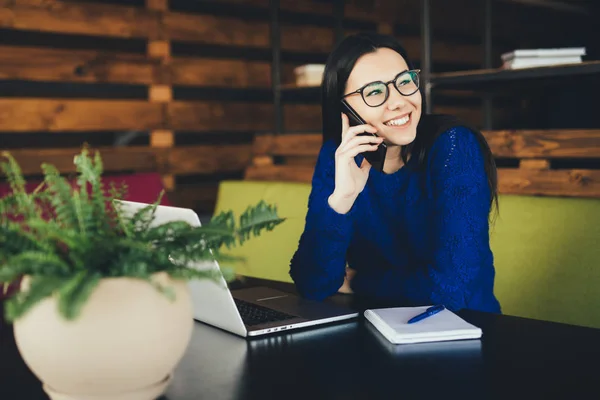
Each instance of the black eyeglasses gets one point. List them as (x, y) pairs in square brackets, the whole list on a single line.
[(376, 93)]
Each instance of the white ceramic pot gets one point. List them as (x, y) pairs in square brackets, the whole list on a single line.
[(123, 346)]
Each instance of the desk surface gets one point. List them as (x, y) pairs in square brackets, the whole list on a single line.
[(517, 358)]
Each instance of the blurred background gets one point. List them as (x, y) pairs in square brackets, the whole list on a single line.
[(182, 88)]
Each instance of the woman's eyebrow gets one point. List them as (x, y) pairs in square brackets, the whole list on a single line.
[(378, 80)]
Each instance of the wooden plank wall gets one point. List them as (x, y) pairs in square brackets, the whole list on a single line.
[(537, 170), (183, 87)]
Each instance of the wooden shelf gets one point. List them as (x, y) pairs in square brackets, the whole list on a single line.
[(300, 94), (470, 79), (293, 86)]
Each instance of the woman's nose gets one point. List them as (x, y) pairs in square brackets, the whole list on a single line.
[(395, 101)]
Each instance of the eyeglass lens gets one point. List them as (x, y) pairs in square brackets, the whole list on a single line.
[(376, 93)]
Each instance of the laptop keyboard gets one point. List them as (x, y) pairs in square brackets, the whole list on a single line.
[(253, 314)]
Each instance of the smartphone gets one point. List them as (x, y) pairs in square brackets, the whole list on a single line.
[(375, 158)]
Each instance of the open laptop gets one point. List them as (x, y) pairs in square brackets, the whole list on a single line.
[(246, 312)]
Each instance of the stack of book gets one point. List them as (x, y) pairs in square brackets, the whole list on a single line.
[(529, 58), (309, 74)]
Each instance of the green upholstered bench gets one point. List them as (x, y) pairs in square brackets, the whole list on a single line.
[(546, 252), (547, 258), (267, 256)]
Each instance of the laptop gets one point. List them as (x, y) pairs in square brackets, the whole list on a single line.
[(245, 312)]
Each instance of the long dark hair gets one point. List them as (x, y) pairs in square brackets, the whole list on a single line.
[(339, 65)]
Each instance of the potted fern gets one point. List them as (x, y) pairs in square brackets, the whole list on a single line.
[(103, 311)]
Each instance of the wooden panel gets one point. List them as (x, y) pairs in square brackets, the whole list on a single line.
[(198, 115), (216, 30), (160, 49), (316, 39), (307, 38), (97, 66), (544, 143), (470, 115), (288, 77), (305, 161), (571, 183), (76, 115), (303, 38), (158, 5), (160, 94), (300, 144), (307, 117), (533, 178), (68, 115), (443, 51), (46, 64), (114, 159), (121, 21), (176, 160), (209, 159), (371, 11), (162, 138), (286, 173), (218, 72), (512, 144), (302, 117), (200, 197), (78, 18), (260, 161), (534, 164)]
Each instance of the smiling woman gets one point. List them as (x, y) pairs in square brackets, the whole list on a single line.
[(394, 113), (414, 230)]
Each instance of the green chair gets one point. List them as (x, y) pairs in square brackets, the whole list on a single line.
[(267, 256), (546, 256)]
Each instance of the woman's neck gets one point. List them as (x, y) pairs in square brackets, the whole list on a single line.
[(393, 160)]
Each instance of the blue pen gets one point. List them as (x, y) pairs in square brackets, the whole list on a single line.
[(428, 313)]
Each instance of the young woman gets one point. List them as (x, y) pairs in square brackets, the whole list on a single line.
[(416, 230)]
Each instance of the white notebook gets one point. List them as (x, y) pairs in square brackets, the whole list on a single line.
[(443, 326)]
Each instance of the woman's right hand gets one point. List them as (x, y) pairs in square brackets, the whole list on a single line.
[(350, 179)]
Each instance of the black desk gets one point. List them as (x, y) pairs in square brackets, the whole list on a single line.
[(517, 358)]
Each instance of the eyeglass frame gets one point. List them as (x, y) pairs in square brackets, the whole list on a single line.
[(360, 90)]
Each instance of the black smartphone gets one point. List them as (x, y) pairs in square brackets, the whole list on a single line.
[(375, 158)]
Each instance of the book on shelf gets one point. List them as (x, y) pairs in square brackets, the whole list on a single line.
[(544, 53), (539, 62), (309, 74)]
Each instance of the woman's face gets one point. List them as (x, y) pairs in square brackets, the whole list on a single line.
[(395, 120)]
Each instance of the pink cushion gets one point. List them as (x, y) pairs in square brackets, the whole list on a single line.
[(141, 187)]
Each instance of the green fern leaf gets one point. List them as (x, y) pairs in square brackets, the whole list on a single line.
[(75, 292), (256, 219), (62, 199), (78, 209), (14, 176), (33, 263), (84, 242), (14, 240), (40, 288), (141, 219), (94, 210)]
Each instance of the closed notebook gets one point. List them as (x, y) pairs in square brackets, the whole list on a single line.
[(443, 326)]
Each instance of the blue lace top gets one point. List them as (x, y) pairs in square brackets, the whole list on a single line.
[(419, 237)]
